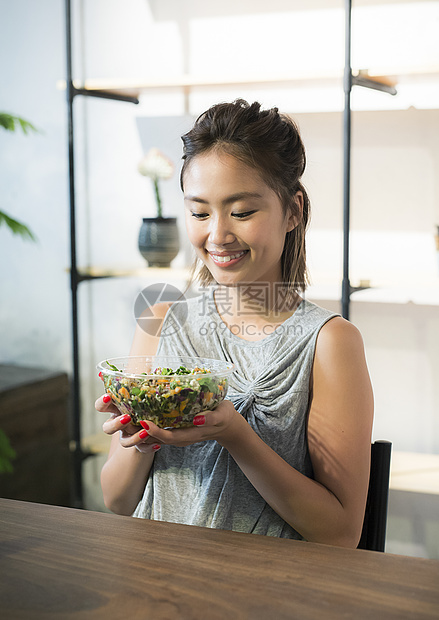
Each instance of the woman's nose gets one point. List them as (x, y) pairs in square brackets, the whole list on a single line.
[(220, 232)]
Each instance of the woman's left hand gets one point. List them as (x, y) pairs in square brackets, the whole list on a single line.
[(220, 424)]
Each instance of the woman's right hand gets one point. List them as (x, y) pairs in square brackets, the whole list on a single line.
[(130, 435)]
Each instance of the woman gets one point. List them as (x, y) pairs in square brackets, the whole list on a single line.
[(288, 453)]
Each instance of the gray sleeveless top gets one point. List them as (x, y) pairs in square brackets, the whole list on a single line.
[(201, 484)]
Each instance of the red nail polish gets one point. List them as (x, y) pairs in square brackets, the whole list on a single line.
[(143, 434), (101, 375), (106, 398), (125, 419), (144, 424), (200, 420), (156, 447)]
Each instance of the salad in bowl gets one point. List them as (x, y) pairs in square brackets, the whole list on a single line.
[(168, 390)]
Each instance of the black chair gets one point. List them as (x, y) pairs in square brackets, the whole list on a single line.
[(373, 536)]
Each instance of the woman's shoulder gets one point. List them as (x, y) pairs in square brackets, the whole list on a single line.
[(338, 327), (339, 339)]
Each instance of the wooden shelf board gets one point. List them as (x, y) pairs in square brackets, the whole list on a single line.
[(415, 472), (143, 272), (383, 291), (134, 87)]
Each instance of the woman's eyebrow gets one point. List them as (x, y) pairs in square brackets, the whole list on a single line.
[(227, 201), (240, 196), (196, 199)]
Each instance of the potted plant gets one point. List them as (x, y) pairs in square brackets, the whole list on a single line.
[(158, 236), (11, 123)]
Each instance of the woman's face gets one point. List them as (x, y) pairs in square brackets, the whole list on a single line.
[(234, 220)]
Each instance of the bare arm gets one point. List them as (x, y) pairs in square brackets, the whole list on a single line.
[(126, 470), (330, 508)]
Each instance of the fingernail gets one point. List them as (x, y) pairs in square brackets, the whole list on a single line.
[(156, 447), (143, 434), (144, 424), (100, 375), (199, 420), (106, 398), (125, 419)]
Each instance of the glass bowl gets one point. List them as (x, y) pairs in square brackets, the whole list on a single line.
[(160, 389)]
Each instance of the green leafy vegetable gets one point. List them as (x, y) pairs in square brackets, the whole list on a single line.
[(113, 367), (182, 370), (166, 371)]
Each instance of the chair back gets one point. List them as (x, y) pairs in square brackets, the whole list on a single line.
[(373, 536)]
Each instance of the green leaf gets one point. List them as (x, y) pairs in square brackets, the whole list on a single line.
[(208, 385), (182, 370), (7, 454), (11, 122), (26, 126), (113, 367), (17, 228)]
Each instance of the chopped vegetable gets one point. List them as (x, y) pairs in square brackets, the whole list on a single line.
[(113, 367)]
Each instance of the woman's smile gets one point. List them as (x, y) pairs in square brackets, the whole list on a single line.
[(227, 260)]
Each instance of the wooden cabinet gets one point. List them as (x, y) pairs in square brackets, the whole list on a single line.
[(34, 416)]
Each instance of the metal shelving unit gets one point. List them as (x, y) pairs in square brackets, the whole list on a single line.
[(77, 454), (348, 82)]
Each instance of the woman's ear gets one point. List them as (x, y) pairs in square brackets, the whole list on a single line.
[(296, 211)]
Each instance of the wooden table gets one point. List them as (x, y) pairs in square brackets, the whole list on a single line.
[(61, 563)]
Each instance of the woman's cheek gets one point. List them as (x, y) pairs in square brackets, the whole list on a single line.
[(193, 234)]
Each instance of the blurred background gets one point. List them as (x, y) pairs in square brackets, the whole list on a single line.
[(178, 58)]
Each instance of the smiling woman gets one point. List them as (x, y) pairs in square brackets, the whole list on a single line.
[(287, 453)]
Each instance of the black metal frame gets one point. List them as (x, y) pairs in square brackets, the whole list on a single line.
[(349, 81), (77, 454)]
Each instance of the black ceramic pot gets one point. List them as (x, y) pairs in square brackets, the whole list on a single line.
[(158, 240)]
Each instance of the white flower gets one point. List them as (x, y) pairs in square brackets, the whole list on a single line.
[(156, 165)]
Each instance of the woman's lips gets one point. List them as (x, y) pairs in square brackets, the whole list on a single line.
[(226, 260)]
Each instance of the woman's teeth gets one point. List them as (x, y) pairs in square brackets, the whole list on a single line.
[(226, 259)]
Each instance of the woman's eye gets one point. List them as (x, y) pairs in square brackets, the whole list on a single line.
[(199, 216), (243, 215)]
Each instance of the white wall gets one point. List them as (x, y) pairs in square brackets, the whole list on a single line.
[(395, 169), (34, 311)]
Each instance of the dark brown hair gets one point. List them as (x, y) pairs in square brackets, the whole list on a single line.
[(270, 143)]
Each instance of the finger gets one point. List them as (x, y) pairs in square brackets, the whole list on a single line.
[(200, 420), (145, 448), (176, 436), (141, 437), (104, 404), (119, 423)]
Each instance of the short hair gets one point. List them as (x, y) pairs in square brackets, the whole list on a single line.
[(270, 143)]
